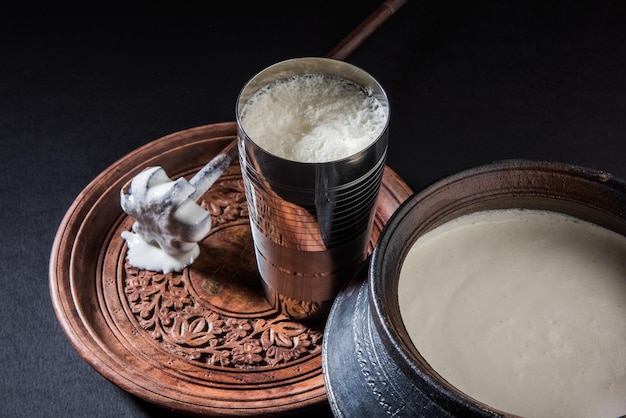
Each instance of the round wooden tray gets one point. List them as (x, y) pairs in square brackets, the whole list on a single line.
[(203, 341)]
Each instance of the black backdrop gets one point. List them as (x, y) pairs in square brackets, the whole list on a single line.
[(469, 83)]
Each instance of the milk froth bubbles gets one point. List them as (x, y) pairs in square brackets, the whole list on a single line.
[(313, 118)]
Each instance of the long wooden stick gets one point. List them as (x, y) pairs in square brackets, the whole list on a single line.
[(365, 29)]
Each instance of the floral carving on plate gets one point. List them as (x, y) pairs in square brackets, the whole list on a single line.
[(214, 312)]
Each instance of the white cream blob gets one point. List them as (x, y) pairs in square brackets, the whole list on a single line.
[(313, 118), (523, 310), (168, 224), (151, 257)]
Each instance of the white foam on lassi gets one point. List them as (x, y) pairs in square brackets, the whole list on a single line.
[(313, 118), (522, 310)]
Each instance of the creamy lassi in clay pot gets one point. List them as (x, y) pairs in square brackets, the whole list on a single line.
[(497, 291)]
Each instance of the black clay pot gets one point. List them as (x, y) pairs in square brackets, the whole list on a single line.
[(370, 364)]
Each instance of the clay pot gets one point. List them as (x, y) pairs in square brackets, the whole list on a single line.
[(371, 367)]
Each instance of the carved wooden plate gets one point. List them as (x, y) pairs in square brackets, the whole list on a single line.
[(203, 341)]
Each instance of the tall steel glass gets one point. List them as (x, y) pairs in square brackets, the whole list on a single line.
[(311, 222)]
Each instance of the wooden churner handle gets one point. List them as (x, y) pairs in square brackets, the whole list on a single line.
[(365, 29)]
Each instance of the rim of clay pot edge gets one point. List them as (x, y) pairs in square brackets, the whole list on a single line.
[(585, 193)]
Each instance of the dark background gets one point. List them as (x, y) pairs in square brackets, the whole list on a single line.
[(469, 84)]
